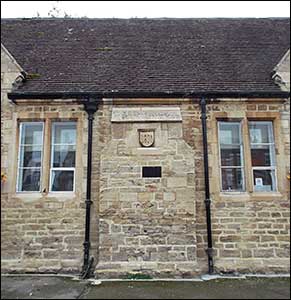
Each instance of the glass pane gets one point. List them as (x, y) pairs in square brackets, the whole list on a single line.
[(232, 179), (230, 156), (229, 133), (31, 134), (64, 156), (264, 180), (29, 180), (64, 133), (62, 181), (261, 132), (30, 156), (263, 155)]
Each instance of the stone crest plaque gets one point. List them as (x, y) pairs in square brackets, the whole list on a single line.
[(147, 137)]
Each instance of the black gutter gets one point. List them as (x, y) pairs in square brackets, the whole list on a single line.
[(97, 95), (90, 107), (207, 201)]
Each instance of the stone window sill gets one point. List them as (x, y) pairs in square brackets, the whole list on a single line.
[(28, 196), (266, 195), (233, 195), (250, 195), (35, 196)]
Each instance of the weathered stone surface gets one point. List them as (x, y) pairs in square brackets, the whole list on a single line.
[(147, 235), (144, 114)]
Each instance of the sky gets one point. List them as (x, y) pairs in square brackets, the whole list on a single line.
[(146, 9)]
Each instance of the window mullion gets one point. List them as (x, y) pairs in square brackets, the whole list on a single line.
[(245, 155), (46, 157)]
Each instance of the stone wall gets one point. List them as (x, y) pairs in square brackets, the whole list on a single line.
[(251, 231), (43, 232), (147, 225), (153, 226)]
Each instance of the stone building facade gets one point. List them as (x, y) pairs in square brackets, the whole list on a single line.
[(146, 223)]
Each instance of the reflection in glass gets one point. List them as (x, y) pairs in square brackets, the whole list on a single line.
[(64, 156), (30, 156), (264, 180), (261, 132), (232, 179), (230, 156), (64, 133), (62, 181), (29, 180), (262, 155), (229, 133), (31, 134)]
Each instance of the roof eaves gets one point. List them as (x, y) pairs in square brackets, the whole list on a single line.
[(85, 95)]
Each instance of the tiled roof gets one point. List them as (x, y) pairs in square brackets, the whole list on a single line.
[(147, 55)]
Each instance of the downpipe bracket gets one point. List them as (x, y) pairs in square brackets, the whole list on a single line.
[(207, 202), (209, 252), (86, 273), (88, 201)]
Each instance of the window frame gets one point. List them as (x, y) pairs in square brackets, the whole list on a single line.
[(51, 146), (270, 168), (20, 124), (241, 146)]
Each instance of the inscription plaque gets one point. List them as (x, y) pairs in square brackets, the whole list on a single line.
[(146, 114)]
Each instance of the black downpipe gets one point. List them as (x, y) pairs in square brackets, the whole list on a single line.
[(91, 107), (209, 250)]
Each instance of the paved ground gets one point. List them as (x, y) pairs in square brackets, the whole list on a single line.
[(34, 287)]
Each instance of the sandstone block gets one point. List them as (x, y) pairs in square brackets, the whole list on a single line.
[(181, 240), (263, 253), (176, 182)]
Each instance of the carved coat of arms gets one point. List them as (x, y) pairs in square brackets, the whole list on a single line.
[(147, 138)]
